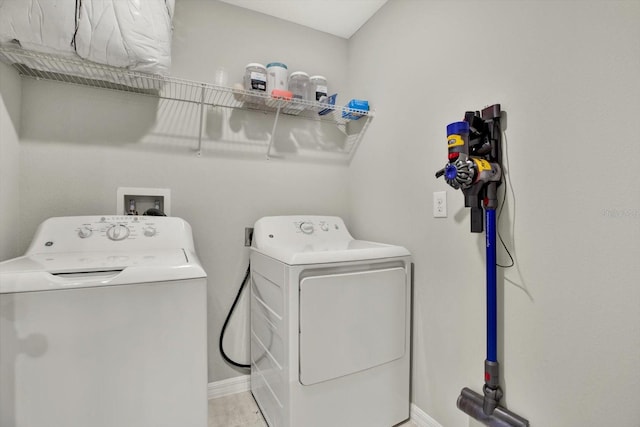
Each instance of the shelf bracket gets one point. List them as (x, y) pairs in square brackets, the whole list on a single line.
[(273, 131), (199, 151)]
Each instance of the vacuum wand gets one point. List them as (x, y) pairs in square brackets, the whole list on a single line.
[(491, 388), (474, 167)]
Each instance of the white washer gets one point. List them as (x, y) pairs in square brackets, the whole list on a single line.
[(330, 325), (103, 324)]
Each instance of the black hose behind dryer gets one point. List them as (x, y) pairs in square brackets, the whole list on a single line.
[(226, 322)]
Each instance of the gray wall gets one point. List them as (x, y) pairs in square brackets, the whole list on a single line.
[(10, 99), (566, 73), (567, 77), (80, 144)]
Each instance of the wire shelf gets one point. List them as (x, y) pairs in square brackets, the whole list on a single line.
[(77, 71)]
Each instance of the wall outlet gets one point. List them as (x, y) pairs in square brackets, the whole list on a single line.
[(440, 204), (248, 236)]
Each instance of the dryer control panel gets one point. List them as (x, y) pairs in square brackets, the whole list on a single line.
[(313, 225), (302, 233), (109, 232)]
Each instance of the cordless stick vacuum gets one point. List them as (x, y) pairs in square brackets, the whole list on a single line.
[(474, 167)]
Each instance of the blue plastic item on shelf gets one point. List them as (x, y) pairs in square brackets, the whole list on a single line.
[(331, 101), (356, 109)]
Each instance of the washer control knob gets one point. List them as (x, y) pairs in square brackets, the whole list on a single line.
[(307, 227), (324, 226), (149, 231), (84, 232), (118, 232)]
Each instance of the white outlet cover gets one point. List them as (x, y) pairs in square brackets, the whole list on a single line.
[(440, 204)]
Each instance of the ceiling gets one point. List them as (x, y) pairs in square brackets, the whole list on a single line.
[(341, 18)]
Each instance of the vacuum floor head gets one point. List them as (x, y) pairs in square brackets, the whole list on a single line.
[(471, 403)]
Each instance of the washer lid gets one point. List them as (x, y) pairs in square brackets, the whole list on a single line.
[(306, 239), (55, 271)]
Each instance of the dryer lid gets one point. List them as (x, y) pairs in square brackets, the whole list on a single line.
[(305, 239)]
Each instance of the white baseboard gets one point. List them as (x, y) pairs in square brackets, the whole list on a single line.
[(421, 418), (229, 386), (243, 383)]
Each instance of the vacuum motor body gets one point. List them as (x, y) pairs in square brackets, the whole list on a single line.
[(474, 161)]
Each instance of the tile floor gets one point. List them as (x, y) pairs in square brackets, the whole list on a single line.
[(236, 410), (240, 410)]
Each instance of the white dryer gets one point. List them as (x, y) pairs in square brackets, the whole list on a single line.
[(103, 324), (330, 325)]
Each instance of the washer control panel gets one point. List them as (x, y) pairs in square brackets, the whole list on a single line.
[(117, 232), (118, 228)]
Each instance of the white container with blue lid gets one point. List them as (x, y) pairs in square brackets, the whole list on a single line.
[(277, 76)]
